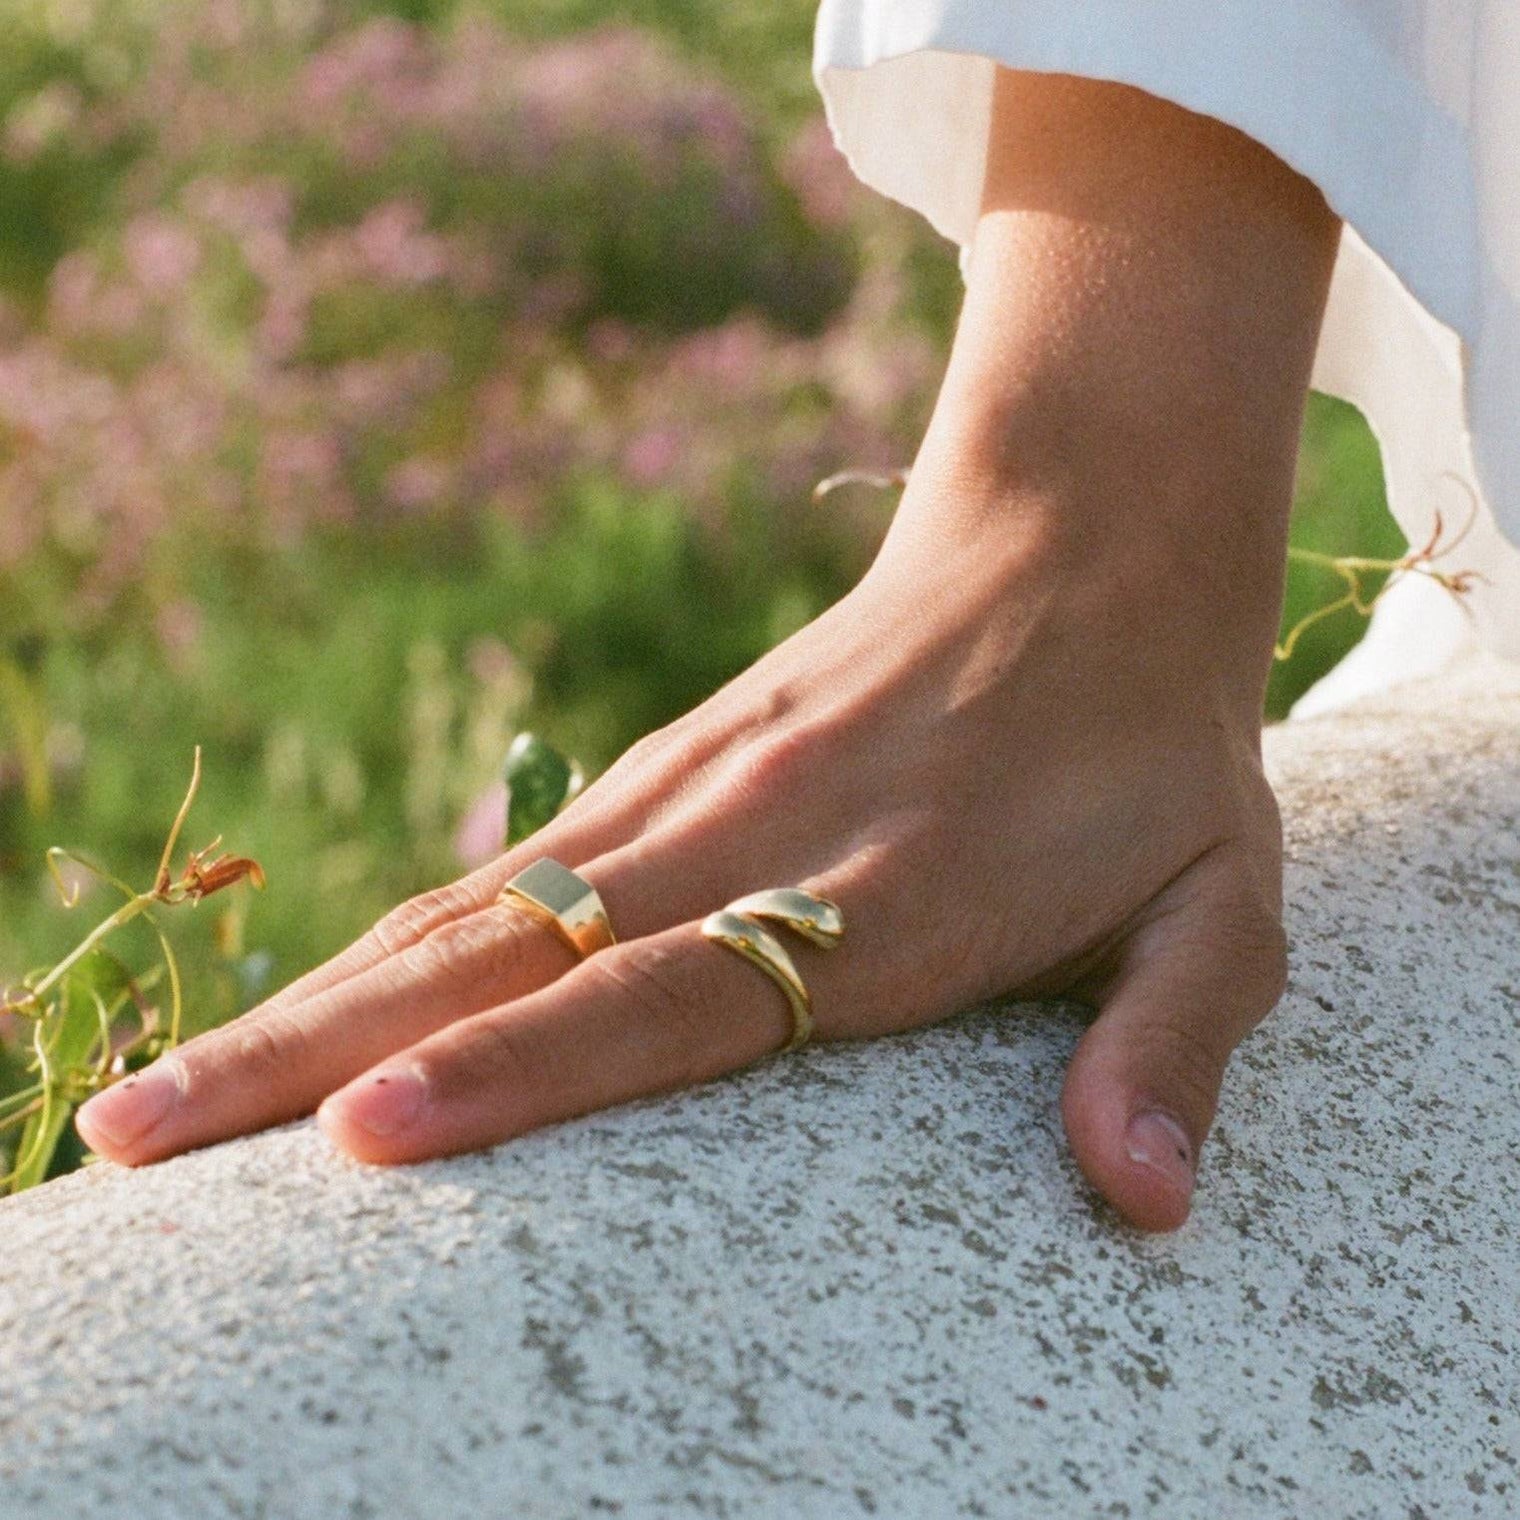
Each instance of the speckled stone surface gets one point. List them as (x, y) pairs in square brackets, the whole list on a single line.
[(866, 1281)]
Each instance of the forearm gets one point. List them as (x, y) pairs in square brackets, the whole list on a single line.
[(1128, 379)]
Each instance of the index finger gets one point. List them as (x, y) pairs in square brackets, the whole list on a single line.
[(278, 1061), (274, 1065)]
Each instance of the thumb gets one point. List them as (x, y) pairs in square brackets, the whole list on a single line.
[(1202, 969)]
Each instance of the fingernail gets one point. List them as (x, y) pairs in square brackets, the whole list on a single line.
[(130, 1110), (386, 1101), (1159, 1142)]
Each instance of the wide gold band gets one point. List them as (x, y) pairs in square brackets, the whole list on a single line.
[(738, 927), (568, 904)]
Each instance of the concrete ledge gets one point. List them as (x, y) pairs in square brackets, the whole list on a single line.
[(865, 1281)]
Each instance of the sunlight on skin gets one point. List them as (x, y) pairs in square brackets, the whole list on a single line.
[(1023, 754)]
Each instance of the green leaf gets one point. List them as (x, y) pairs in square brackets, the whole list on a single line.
[(39, 1140), (87, 1000), (540, 781), (97, 986)]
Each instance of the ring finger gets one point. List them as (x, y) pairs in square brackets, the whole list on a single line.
[(645, 1017), (278, 1062)]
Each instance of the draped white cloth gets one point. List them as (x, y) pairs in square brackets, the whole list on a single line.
[(1405, 113)]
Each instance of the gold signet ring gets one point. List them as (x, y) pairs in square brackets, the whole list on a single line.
[(740, 927), (567, 903)]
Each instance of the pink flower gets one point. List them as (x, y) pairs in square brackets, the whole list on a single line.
[(243, 206), (161, 254), (393, 245), (374, 54), (649, 459), (728, 357), (418, 482), (301, 479), (479, 837), (385, 390), (37, 121), (818, 175), (71, 290), (610, 341), (282, 328), (491, 663), (179, 626)]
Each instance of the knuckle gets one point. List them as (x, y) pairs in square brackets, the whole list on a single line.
[(256, 1049), (655, 984), (645, 753), (499, 1054), (466, 953), (1194, 1061), (413, 920), (1254, 946), (655, 760), (1274, 962), (773, 765)]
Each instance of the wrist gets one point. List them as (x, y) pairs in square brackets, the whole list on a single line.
[(1063, 490), (1118, 428), (1160, 568)]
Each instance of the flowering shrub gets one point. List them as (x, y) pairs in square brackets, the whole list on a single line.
[(370, 389), (391, 272)]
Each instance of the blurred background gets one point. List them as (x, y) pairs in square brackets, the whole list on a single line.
[(378, 380)]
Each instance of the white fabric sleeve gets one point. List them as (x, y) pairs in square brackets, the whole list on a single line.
[(1405, 113)]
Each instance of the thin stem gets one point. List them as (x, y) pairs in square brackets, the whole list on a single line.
[(103, 1062), (25, 1097), (1347, 561), (880, 480), (1284, 650), (20, 1117), (45, 1111), (69, 891), (122, 916), (176, 998), (162, 879)]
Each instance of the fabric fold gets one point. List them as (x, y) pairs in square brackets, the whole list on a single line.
[(1405, 113)]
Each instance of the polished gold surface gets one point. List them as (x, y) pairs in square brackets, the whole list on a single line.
[(739, 928), (568, 904), (816, 919), (761, 948)]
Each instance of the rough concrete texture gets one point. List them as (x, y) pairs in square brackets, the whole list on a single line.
[(867, 1281)]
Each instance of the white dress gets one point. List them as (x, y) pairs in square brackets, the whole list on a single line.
[(1405, 113)]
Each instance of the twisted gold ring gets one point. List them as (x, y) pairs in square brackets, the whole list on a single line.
[(741, 927), (567, 903)]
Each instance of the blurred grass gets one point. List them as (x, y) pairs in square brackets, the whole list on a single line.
[(355, 681), (337, 690)]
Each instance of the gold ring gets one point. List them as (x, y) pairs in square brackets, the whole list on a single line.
[(567, 903), (739, 926)]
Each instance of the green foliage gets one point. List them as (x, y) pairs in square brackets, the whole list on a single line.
[(1340, 510), (765, 46), (56, 193), (73, 1051), (540, 781), (355, 694), (90, 1020)]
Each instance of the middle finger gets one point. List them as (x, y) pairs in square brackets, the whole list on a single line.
[(278, 1062)]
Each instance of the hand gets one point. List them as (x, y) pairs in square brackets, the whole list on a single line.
[(1022, 755), (954, 755)]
